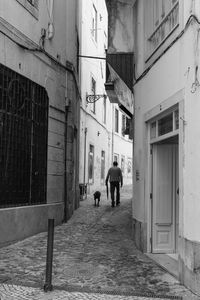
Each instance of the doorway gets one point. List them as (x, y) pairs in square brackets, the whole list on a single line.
[(165, 191)]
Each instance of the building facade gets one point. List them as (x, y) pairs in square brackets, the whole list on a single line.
[(39, 115), (165, 42), (166, 133), (102, 123)]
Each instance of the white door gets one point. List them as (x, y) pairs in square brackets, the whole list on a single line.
[(164, 193)]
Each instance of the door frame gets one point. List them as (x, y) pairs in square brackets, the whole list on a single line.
[(171, 104)]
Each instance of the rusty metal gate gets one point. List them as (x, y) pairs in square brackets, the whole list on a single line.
[(23, 140)]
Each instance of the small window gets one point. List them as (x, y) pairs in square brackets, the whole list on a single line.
[(129, 166), (116, 120), (116, 157), (123, 124), (91, 164), (94, 23), (103, 165), (123, 163), (165, 124)]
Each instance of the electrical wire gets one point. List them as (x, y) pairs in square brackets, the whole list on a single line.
[(68, 67)]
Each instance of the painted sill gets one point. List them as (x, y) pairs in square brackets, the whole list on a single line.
[(30, 8)]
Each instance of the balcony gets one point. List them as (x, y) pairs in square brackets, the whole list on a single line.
[(163, 30)]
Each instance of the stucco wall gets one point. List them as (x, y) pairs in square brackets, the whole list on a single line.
[(59, 85), (173, 72), (19, 223)]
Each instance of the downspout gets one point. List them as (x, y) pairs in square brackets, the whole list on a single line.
[(84, 165), (65, 166), (112, 149)]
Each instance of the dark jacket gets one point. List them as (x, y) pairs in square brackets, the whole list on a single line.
[(115, 174)]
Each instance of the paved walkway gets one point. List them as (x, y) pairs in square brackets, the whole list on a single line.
[(94, 258)]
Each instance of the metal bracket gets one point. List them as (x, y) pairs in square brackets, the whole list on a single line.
[(94, 98)]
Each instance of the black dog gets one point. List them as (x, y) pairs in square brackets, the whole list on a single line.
[(97, 196)]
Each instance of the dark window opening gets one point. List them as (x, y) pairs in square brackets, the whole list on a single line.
[(91, 164), (116, 120), (23, 140), (103, 165)]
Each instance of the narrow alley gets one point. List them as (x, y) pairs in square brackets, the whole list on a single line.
[(94, 258)]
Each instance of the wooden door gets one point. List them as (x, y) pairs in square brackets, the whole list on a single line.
[(163, 210)]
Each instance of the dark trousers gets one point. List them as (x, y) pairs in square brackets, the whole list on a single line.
[(115, 185)]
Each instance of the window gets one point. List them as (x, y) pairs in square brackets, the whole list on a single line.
[(123, 124), (104, 110), (116, 120), (102, 166), (93, 89), (31, 6), (165, 124), (94, 23), (123, 163), (91, 164), (23, 140), (129, 166), (116, 157), (161, 18)]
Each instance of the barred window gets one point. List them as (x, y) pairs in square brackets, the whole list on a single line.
[(23, 140)]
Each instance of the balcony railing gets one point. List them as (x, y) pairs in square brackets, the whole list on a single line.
[(164, 29)]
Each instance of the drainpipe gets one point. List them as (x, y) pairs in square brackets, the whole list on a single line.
[(84, 166), (112, 149), (65, 166)]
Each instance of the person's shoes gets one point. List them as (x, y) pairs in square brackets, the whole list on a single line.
[(113, 204), (118, 204)]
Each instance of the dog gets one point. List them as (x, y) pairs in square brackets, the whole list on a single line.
[(97, 197)]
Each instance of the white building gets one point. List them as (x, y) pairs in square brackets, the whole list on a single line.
[(102, 123), (39, 115), (166, 86)]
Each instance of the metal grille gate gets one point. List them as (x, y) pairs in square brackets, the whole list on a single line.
[(23, 140)]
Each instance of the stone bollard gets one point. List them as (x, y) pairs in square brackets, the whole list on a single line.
[(49, 260)]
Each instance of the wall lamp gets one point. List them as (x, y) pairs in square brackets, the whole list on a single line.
[(94, 98)]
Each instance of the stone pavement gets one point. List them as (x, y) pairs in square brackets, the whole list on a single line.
[(94, 258)]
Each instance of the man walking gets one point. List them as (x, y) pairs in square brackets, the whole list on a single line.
[(115, 175)]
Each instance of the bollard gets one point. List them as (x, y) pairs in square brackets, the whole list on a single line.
[(49, 260)]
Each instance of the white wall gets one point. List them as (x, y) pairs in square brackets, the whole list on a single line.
[(174, 71)]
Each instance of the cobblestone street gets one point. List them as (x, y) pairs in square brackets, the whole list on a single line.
[(94, 258)]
